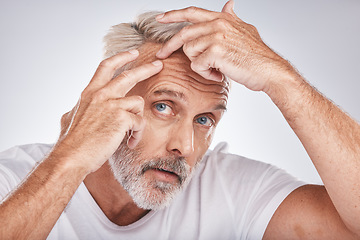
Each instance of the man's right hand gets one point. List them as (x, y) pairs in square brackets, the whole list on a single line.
[(95, 127), (91, 133)]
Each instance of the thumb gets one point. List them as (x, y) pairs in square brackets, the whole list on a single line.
[(229, 7)]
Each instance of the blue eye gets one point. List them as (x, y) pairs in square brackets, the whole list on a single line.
[(204, 121), (164, 109), (160, 107)]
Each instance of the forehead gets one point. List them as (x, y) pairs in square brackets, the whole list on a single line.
[(177, 76)]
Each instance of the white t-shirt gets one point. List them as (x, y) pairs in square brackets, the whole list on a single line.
[(229, 197)]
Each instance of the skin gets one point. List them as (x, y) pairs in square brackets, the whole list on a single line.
[(220, 40), (92, 131), (172, 132)]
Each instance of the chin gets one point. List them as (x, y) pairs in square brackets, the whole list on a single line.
[(153, 195)]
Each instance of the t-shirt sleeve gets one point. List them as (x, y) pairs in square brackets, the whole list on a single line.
[(255, 190), (269, 191), (16, 163)]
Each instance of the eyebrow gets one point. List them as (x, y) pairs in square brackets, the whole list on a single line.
[(171, 93), (220, 107), (181, 96)]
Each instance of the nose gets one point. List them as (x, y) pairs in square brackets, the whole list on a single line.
[(181, 139)]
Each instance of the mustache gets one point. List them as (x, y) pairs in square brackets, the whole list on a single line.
[(173, 164)]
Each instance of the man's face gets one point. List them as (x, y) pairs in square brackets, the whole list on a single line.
[(181, 111)]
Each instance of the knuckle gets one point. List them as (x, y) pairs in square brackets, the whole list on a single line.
[(100, 95), (106, 63), (191, 9), (251, 27), (85, 96), (215, 48), (220, 22), (139, 99), (64, 119)]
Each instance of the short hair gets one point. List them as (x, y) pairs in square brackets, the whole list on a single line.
[(145, 28)]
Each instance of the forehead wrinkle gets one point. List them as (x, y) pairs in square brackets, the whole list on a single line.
[(182, 70), (197, 85)]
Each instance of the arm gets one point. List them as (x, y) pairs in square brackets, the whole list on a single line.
[(91, 133), (31, 210), (221, 41), (332, 140)]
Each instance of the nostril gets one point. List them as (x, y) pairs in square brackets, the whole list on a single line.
[(176, 151)]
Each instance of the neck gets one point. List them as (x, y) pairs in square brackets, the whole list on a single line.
[(112, 198)]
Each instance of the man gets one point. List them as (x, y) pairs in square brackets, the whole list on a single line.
[(131, 160)]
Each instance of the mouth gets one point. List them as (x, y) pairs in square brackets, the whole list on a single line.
[(165, 175)]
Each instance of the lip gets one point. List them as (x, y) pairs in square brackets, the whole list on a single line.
[(164, 175)]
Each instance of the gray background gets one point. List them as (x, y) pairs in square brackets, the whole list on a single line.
[(50, 49)]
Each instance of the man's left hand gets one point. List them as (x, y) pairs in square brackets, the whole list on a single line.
[(220, 43)]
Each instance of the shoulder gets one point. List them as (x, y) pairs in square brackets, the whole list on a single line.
[(239, 172), (24, 155), (302, 215), (231, 166), (17, 162), (253, 190)]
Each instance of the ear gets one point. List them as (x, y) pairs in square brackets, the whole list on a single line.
[(229, 7)]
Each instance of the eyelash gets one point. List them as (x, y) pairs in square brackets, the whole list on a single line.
[(155, 106), (212, 122), (166, 105)]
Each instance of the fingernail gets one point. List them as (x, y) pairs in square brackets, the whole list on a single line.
[(134, 52), (158, 17), (158, 54), (157, 63)]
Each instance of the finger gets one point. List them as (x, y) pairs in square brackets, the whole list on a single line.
[(203, 54), (196, 47), (122, 84), (190, 14), (186, 34), (229, 7), (205, 67), (136, 131), (133, 104), (107, 68)]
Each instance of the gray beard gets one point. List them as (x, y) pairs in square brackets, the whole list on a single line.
[(128, 169)]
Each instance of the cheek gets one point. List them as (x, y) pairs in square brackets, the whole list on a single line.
[(154, 136), (203, 140)]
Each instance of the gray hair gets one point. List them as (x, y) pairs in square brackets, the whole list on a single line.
[(145, 28)]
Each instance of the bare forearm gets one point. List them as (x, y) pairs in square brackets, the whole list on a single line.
[(332, 140), (31, 210)]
